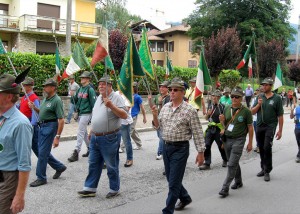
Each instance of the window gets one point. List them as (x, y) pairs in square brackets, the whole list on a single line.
[(3, 11), (50, 11), (160, 63), (171, 46), (192, 64), (160, 47), (153, 46), (45, 47), (191, 46)]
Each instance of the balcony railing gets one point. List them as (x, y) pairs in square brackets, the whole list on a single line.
[(11, 22), (49, 25)]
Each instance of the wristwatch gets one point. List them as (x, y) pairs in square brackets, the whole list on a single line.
[(57, 136)]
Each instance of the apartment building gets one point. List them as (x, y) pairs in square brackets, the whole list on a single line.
[(173, 41), (32, 24)]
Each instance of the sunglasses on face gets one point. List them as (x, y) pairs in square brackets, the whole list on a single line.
[(174, 89), (236, 97)]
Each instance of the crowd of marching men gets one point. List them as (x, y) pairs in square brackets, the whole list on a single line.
[(37, 125)]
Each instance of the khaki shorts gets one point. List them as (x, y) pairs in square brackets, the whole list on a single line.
[(8, 190)]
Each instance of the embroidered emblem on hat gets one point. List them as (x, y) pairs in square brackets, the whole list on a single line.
[(240, 118), (1, 148)]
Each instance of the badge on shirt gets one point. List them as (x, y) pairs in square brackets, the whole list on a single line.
[(230, 127), (1, 148)]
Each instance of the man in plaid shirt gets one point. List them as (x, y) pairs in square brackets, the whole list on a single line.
[(178, 122)]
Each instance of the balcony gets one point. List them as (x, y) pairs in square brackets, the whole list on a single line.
[(9, 23), (49, 26)]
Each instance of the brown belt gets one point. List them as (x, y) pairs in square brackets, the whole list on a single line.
[(105, 133)]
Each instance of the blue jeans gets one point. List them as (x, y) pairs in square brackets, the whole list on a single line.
[(46, 136), (160, 143), (35, 140), (175, 158), (70, 113), (104, 149), (125, 131)]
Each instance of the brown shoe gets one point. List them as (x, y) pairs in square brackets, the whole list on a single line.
[(128, 163)]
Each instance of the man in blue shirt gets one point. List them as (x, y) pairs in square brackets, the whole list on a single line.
[(15, 148), (248, 95), (137, 107)]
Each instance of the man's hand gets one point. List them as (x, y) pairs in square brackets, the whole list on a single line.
[(154, 111), (200, 159), (249, 147), (259, 100), (144, 120), (31, 105), (107, 102), (222, 118), (278, 135), (17, 204), (209, 112), (55, 142)]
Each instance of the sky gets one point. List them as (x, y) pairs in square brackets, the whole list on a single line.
[(176, 10)]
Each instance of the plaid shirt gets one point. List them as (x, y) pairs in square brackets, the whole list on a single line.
[(179, 125)]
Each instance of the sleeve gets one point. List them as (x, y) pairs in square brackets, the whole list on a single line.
[(23, 135), (120, 103), (59, 110), (279, 107), (197, 131), (139, 100), (92, 97), (249, 118), (34, 114)]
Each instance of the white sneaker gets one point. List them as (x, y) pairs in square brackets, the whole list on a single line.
[(121, 150), (158, 157), (136, 148)]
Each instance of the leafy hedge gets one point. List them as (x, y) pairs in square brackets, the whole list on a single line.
[(43, 67)]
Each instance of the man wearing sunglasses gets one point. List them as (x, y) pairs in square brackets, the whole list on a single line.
[(237, 120), (269, 111), (178, 121)]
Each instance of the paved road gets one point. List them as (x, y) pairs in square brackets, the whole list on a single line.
[(144, 188)]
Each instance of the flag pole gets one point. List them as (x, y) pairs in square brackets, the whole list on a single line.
[(82, 52), (15, 72)]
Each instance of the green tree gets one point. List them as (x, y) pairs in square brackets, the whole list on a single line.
[(230, 78), (269, 18), (117, 16)]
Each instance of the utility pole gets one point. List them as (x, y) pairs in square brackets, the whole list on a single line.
[(298, 38), (68, 28)]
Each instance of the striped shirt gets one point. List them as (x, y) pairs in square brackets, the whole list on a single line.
[(181, 124)]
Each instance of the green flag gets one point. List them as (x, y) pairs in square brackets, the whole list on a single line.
[(109, 64), (131, 67), (145, 55), (278, 78), (2, 50)]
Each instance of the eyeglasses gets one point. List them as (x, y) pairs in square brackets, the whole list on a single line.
[(175, 89), (236, 97)]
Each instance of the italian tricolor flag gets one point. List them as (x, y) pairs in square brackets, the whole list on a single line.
[(250, 50), (169, 67), (203, 78), (278, 78), (77, 61)]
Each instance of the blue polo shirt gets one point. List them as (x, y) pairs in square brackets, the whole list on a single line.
[(15, 139), (137, 101)]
